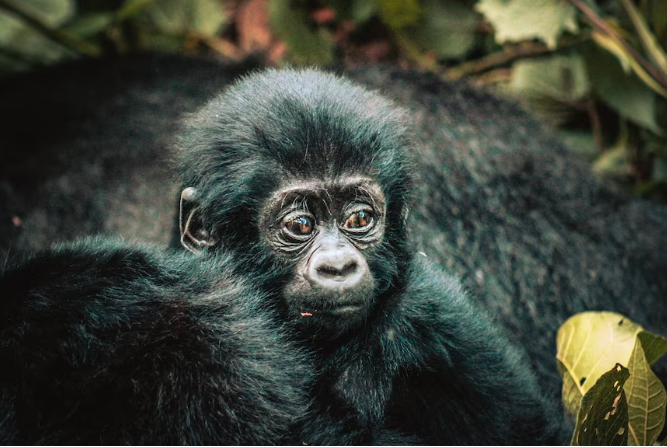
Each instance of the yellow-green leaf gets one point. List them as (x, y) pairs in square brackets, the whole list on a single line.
[(399, 13), (603, 418), (517, 20), (646, 399), (613, 163), (590, 344)]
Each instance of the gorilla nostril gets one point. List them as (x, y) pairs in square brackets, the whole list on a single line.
[(331, 272)]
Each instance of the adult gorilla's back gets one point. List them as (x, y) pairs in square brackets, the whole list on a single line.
[(500, 201), (505, 205)]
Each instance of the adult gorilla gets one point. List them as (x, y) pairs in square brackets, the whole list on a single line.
[(304, 194)]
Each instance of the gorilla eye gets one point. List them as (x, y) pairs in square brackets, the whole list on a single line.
[(359, 219), (299, 226)]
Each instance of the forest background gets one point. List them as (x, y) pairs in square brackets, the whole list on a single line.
[(594, 70)]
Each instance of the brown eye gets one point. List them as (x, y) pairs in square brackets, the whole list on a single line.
[(360, 219), (300, 226)]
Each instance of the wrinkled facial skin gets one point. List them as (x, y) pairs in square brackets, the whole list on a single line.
[(327, 230)]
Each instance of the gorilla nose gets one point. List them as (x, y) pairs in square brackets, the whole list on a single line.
[(335, 269)]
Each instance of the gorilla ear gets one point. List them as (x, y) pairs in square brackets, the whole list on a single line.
[(194, 236)]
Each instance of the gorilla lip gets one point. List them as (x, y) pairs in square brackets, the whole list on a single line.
[(338, 310)]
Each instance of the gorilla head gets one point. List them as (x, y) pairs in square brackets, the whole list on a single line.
[(304, 177)]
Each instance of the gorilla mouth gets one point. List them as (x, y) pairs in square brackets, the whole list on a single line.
[(335, 311)]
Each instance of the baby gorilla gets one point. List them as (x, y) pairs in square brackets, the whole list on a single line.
[(305, 179), (106, 343)]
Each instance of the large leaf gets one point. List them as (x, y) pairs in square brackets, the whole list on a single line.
[(549, 85), (517, 20), (646, 396), (628, 61), (562, 76), (591, 343), (603, 418), (624, 92)]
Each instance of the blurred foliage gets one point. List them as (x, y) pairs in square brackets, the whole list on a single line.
[(597, 69)]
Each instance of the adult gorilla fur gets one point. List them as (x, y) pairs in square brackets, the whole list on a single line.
[(413, 361), (102, 342)]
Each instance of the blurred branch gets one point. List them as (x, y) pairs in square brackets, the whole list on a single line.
[(486, 63), (607, 30), (62, 38), (596, 124), (649, 41)]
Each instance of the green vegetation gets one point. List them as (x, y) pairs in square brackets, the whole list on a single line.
[(608, 386)]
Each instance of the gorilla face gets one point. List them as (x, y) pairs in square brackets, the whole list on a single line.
[(326, 230)]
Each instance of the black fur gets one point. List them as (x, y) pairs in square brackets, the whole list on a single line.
[(106, 343), (425, 363), (499, 202)]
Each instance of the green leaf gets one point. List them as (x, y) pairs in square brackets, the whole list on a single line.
[(181, 16), (562, 76), (603, 418), (625, 93), (549, 85), (517, 20), (307, 43), (590, 344), (399, 13), (446, 28), (654, 346), (89, 25), (613, 163), (580, 142), (646, 395), (628, 61)]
